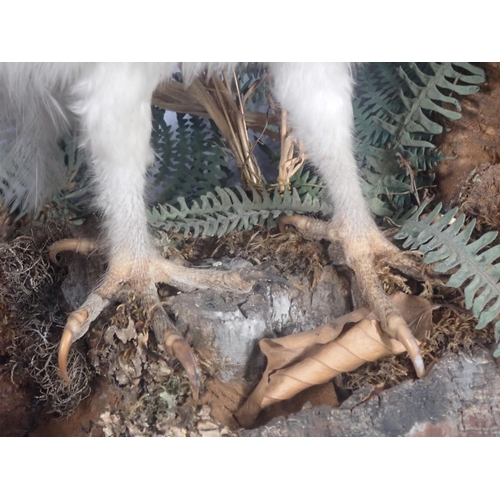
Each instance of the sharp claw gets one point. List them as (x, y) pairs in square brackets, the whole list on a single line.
[(418, 363), (64, 347), (185, 355), (179, 348), (396, 325), (72, 329), (175, 345), (78, 245)]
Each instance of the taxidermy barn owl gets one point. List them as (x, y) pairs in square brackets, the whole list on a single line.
[(109, 105)]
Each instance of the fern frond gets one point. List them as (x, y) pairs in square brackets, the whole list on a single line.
[(383, 180), (425, 94), (215, 214), (192, 160), (393, 113), (306, 181), (376, 87), (445, 241)]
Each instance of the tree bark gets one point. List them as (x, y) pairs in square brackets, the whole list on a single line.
[(459, 397)]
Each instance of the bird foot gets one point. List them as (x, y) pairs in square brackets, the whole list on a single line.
[(142, 277), (361, 252)]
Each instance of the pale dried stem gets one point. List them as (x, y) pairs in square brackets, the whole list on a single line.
[(250, 167), (175, 96), (217, 102), (292, 155), (214, 99)]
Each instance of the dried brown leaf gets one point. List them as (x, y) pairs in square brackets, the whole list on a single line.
[(309, 358)]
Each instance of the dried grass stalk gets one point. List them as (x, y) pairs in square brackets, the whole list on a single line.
[(292, 155), (213, 98)]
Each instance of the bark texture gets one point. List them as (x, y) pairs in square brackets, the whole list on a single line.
[(459, 397)]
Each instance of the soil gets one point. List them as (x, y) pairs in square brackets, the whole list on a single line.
[(471, 143), (126, 385)]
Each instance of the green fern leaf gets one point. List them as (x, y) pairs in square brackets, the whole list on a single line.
[(393, 111), (191, 160), (425, 98), (445, 241), (228, 209), (306, 181)]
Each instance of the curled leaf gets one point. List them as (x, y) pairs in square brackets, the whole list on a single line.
[(299, 361)]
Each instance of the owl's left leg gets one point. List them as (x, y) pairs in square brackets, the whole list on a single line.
[(113, 103)]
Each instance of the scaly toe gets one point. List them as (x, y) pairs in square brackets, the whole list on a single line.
[(188, 279), (409, 263), (141, 277), (361, 250), (76, 327), (166, 333)]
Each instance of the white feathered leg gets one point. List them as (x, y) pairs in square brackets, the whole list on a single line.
[(317, 97), (113, 103)]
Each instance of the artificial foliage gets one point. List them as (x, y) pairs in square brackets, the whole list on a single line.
[(307, 182), (396, 114), (75, 199), (191, 160), (395, 110), (445, 241), (216, 214)]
